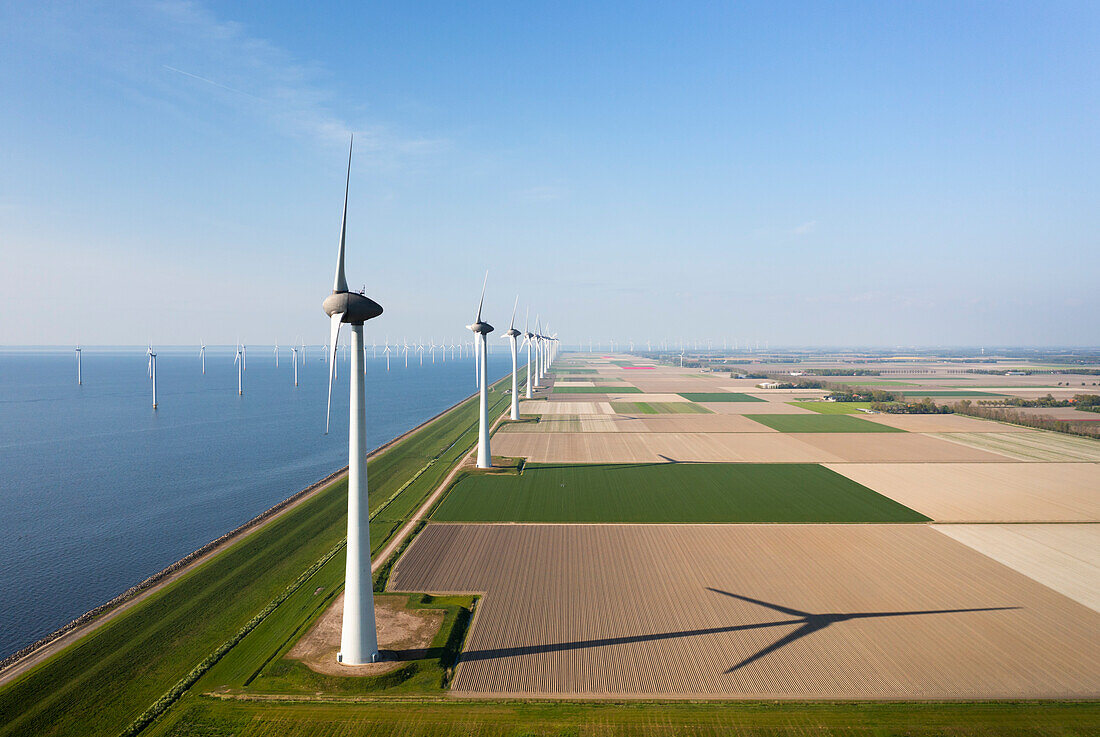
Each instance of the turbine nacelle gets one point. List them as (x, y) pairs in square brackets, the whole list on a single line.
[(481, 327), (354, 308)]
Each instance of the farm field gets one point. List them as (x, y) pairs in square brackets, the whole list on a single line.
[(658, 408), (987, 492), (497, 718), (1029, 445), (567, 389), (669, 493), (750, 611), (754, 408), (820, 423), (1064, 557), (941, 423), (833, 408), (719, 397)]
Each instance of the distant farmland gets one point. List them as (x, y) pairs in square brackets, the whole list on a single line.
[(659, 408), (719, 397), (566, 389), (833, 408), (820, 423), (670, 492)]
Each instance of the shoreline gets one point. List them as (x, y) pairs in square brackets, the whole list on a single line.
[(31, 655)]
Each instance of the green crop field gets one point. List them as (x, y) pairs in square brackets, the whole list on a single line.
[(821, 423), (458, 718), (105, 680), (669, 493), (659, 408), (566, 389), (719, 397), (833, 408)]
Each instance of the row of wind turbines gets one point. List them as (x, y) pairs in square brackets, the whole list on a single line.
[(359, 635)]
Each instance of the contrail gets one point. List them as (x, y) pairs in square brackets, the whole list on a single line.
[(210, 81)]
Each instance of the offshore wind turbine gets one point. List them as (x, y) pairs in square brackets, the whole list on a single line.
[(481, 332), (202, 355), (294, 351), (239, 360), (359, 635), (79, 375), (511, 336), (386, 353), (276, 354), (153, 373)]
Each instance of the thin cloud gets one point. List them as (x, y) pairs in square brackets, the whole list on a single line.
[(805, 228)]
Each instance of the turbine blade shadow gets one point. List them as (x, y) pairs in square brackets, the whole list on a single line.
[(773, 607)]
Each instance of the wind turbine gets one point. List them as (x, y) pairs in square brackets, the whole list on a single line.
[(420, 350), (681, 357), (386, 353), (511, 336), (239, 360), (295, 352), (79, 376), (528, 338), (359, 635), (276, 354), (202, 355), (538, 352), (244, 357), (153, 373), (481, 331), (432, 348)]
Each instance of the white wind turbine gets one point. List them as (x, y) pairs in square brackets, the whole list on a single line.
[(420, 350), (481, 332), (276, 354), (153, 372), (406, 343), (511, 336), (294, 351), (681, 356), (79, 373), (202, 355), (386, 353), (431, 341), (239, 360), (538, 352), (359, 635), (528, 337)]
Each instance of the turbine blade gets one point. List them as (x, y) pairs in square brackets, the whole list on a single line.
[(482, 302), (512, 324), (334, 335), (341, 282)]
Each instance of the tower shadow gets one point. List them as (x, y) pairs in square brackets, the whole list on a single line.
[(810, 622)]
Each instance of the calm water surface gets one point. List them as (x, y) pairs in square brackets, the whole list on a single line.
[(98, 491)]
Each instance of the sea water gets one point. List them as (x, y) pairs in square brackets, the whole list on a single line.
[(98, 491)]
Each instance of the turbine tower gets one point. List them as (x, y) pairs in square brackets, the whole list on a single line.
[(481, 331), (359, 635), (79, 376), (294, 351), (239, 360), (511, 335), (538, 357), (202, 355), (528, 337), (276, 354), (153, 373)]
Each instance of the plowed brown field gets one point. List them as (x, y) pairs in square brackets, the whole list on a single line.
[(580, 447), (986, 492), (751, 611)]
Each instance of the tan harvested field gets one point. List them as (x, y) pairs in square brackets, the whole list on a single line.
[(986, 492), (579, 447), (569, 423), (1031, 445), (899, 447), (1064, 557), (614, 397), (755, 408), (751, 611), (940, 423), (565, 408), (570, 382), (640, 423)]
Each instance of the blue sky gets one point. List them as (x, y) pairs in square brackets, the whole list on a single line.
[(808, 173)]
